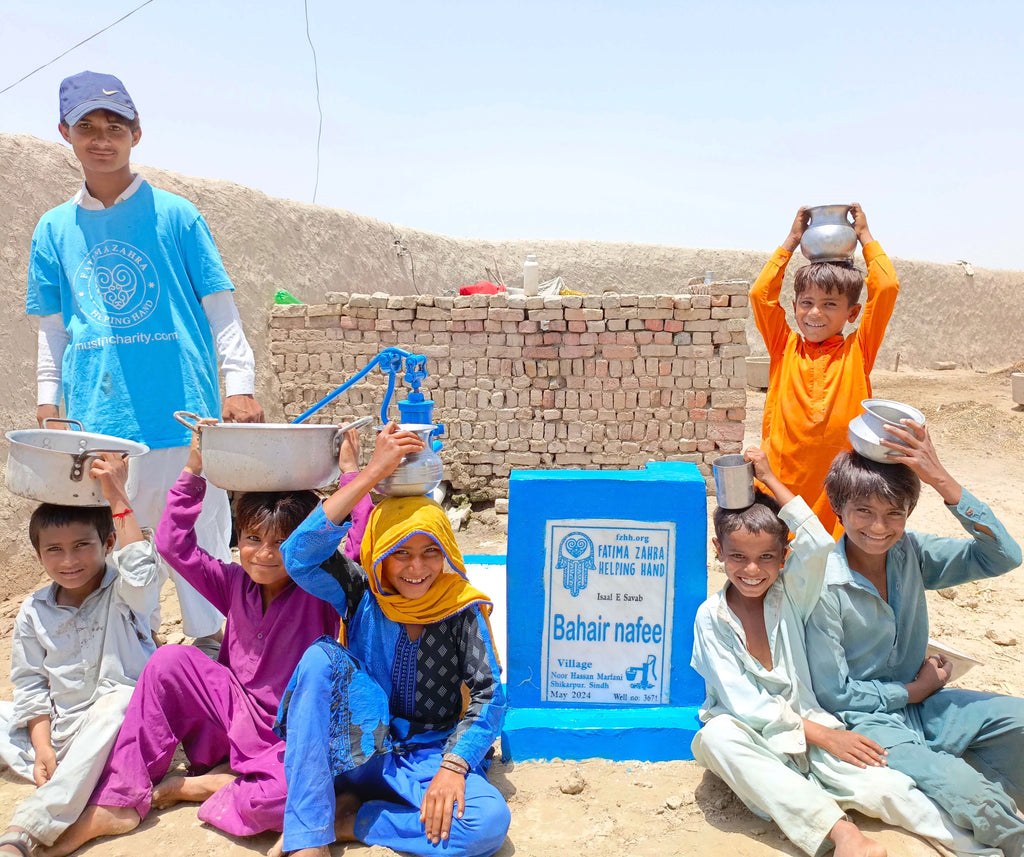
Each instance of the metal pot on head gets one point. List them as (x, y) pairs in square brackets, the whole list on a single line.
[(418, 473), (830, 236), (52, 465), (269, 456)]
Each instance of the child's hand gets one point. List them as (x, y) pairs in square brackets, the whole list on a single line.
[(44, 766), (918, 453), (860, 224), (447, 790), (111, 468), (759, 458), (796, 231), (392, 446), (348, 452), (763, 471), (854, 748), (934, 673), (194, 465)]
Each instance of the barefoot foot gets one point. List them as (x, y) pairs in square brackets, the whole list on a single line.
[(94, 822), (344, 828), (345, 817), (850, 842), (175, 789)]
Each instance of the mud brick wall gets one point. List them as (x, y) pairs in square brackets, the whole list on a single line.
[(609, 381)]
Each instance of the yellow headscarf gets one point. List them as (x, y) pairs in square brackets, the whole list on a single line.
[(391, 523)]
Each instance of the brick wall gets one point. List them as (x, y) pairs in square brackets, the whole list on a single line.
[(608, 381)]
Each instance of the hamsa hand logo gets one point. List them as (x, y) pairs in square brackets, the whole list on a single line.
[(116, 285), (576, 559)]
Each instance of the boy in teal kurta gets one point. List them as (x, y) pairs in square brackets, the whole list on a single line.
[(867, 638)]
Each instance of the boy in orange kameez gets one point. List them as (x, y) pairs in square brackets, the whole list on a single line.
[(817, 376)]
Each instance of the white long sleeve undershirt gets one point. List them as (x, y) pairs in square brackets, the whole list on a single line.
[(234, 354)]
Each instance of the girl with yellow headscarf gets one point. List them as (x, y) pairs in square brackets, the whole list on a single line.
[(385, 716)]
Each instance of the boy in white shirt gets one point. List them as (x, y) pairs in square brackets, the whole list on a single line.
[(79, 646)]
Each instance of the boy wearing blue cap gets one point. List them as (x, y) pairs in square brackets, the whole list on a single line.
[(135, 311)]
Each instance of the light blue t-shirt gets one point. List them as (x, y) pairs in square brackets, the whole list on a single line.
[(129, 281)]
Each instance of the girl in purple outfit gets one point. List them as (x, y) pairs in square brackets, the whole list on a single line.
[(222, 713)]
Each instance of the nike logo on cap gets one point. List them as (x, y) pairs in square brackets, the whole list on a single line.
[(110, 91)]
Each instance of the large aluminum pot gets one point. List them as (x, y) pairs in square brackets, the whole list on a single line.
[(52, 465), (269, 456)]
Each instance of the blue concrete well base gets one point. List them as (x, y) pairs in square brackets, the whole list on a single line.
[(650, 734)]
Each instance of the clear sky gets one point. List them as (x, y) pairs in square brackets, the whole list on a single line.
[(697, 124)]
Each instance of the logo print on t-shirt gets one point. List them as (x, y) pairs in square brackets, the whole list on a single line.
[(116, 285)]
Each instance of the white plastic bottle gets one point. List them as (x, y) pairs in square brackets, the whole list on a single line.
[(531, 276)]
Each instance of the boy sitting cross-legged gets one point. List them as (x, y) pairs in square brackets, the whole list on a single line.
[(818, 376), (79, 646), (867, 638), (764, 733)]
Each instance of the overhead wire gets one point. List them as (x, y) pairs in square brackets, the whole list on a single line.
[(309, 38), (69, 50), (319, 109)]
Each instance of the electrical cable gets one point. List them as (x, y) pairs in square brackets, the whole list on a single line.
[(69, 50), (319, 109)]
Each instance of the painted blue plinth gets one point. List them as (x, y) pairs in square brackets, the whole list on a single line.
[(659, 734), (548, 553)]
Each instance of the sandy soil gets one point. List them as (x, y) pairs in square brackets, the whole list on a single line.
[(674, 807)]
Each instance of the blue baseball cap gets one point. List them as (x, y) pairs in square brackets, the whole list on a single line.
[(89, 90)]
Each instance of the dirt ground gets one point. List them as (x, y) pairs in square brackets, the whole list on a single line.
[(671, 808)]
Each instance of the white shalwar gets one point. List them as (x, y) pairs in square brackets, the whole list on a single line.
[(753, 734), (79, 666)]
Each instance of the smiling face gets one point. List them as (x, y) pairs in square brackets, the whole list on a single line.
[(752, 561), (873, 525), (412, 567), (821, 315), (102, 142), (259, 552), (75, 557)]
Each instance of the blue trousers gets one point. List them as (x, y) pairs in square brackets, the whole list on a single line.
[(391, 784), (985, 727)]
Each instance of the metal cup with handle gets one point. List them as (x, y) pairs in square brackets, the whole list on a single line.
[(734, 481)]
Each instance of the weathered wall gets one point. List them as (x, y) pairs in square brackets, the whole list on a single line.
[(607, 381), (267, 244)]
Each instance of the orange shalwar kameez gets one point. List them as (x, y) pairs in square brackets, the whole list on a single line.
[(815, 389)]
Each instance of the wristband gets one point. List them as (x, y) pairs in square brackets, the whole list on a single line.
[(120, 516), (456, 763)]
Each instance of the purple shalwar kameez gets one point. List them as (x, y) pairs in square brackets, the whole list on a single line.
[(219, 711)]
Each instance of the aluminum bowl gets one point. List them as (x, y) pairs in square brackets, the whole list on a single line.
[(879, 413), (865, 442)]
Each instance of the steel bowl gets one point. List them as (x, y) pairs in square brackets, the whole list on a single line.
[(879, 413), (865, 442)]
